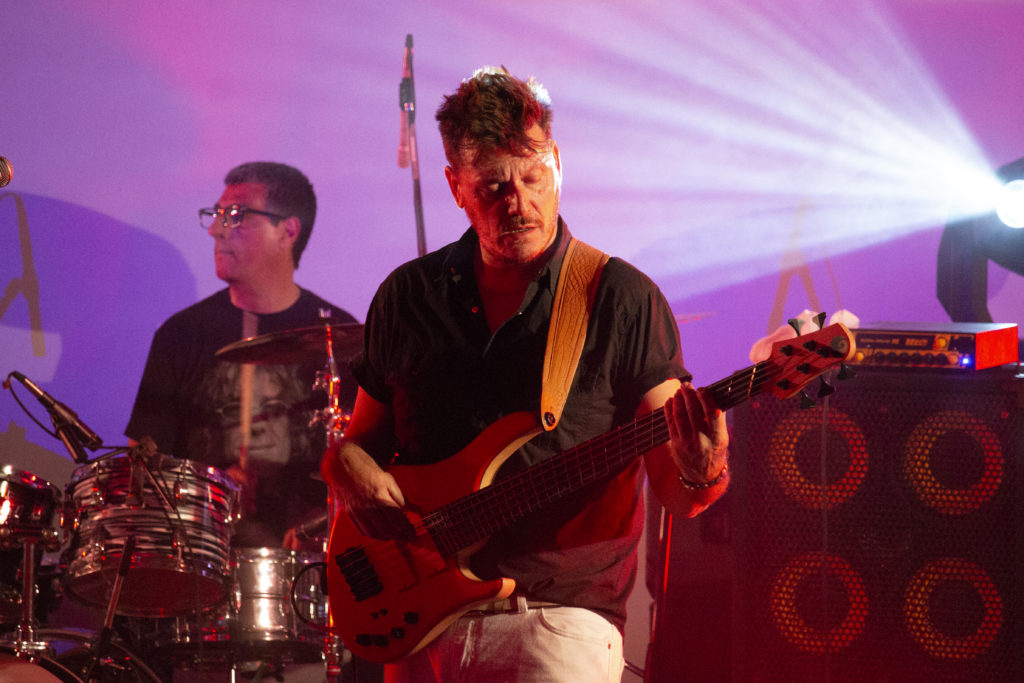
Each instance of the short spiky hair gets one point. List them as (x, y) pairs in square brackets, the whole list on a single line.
[(492, 110), (289, 192)]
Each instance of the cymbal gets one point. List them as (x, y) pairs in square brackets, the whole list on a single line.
[(300, 345)]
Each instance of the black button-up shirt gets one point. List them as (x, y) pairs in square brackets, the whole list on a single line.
[(432, 358)]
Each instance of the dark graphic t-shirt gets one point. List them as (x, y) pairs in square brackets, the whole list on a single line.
[(190, 403)]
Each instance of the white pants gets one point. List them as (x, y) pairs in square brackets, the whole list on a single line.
[(547, 644)]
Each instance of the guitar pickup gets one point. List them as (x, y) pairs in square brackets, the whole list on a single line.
[(359, 573)]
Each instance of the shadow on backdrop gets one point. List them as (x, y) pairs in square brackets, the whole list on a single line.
[(83, 294)]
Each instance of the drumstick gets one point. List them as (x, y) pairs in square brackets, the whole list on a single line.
[(245, 382), (245, 379)]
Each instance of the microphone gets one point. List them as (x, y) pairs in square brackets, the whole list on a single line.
[(63, 417), (6, 172), (407, 102)]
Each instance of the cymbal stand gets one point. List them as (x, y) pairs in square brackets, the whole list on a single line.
[(333, 419), (333, 658), (334, 422)]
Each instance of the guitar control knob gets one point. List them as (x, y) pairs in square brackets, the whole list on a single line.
[(397, 632), (411, 617)]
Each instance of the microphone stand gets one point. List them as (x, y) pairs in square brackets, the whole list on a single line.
[(102, 645), (407, 101)]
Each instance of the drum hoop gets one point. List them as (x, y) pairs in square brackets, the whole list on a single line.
[(27, 479), (115, 462), (89, 641)]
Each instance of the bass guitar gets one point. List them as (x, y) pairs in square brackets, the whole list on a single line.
[(390, 598)]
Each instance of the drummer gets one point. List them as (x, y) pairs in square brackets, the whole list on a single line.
[(250, 420)]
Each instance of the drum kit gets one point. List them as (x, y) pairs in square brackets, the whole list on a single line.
[(148, 537)]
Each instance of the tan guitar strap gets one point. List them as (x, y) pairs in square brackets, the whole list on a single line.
[(570, 313)]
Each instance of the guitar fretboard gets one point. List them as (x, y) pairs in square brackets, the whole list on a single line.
[(474, 517)]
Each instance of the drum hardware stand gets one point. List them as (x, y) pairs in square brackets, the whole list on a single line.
[(334, 421), (332, 417), (139, 456), (25, 643), (103, 642)]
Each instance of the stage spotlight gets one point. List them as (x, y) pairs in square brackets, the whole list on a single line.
[(1010, 206), (969, 243)]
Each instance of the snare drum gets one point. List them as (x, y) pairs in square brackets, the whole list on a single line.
[(181, 551)]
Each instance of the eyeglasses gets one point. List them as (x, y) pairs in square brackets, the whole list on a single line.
[(231, 216)]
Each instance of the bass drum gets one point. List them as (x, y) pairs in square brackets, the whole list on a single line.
[(16, 670), (74, 657)]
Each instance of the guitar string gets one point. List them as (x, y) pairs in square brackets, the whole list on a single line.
[(486, 508), (499, 503), (493, 507)]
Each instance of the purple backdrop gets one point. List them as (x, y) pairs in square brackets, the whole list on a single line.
[(716, 146)]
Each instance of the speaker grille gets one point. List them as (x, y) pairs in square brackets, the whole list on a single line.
[(879, 535)]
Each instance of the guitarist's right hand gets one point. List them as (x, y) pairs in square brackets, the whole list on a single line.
[(369, 496)]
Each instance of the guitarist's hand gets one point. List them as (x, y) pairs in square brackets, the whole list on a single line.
[(369, 496), (698, 433)]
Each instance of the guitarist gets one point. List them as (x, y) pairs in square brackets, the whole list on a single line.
[(455, 340)]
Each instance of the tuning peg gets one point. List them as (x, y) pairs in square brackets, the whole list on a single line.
[(846, 372), (806, 401), (825, 389), (820, 320), (796, 324)]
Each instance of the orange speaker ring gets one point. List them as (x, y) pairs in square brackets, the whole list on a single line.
[(795, 628), (917, 609), (918, 470), (783, 466)]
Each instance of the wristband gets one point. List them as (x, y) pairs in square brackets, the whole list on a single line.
[(695, 486)]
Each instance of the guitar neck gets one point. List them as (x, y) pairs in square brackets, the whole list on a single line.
[(470, 519)]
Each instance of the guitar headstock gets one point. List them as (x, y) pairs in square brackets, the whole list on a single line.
[(794, 363)]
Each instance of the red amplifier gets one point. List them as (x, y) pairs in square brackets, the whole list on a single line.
[(955, 346)]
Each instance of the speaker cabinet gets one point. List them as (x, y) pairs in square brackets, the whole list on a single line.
[(878, 536)]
